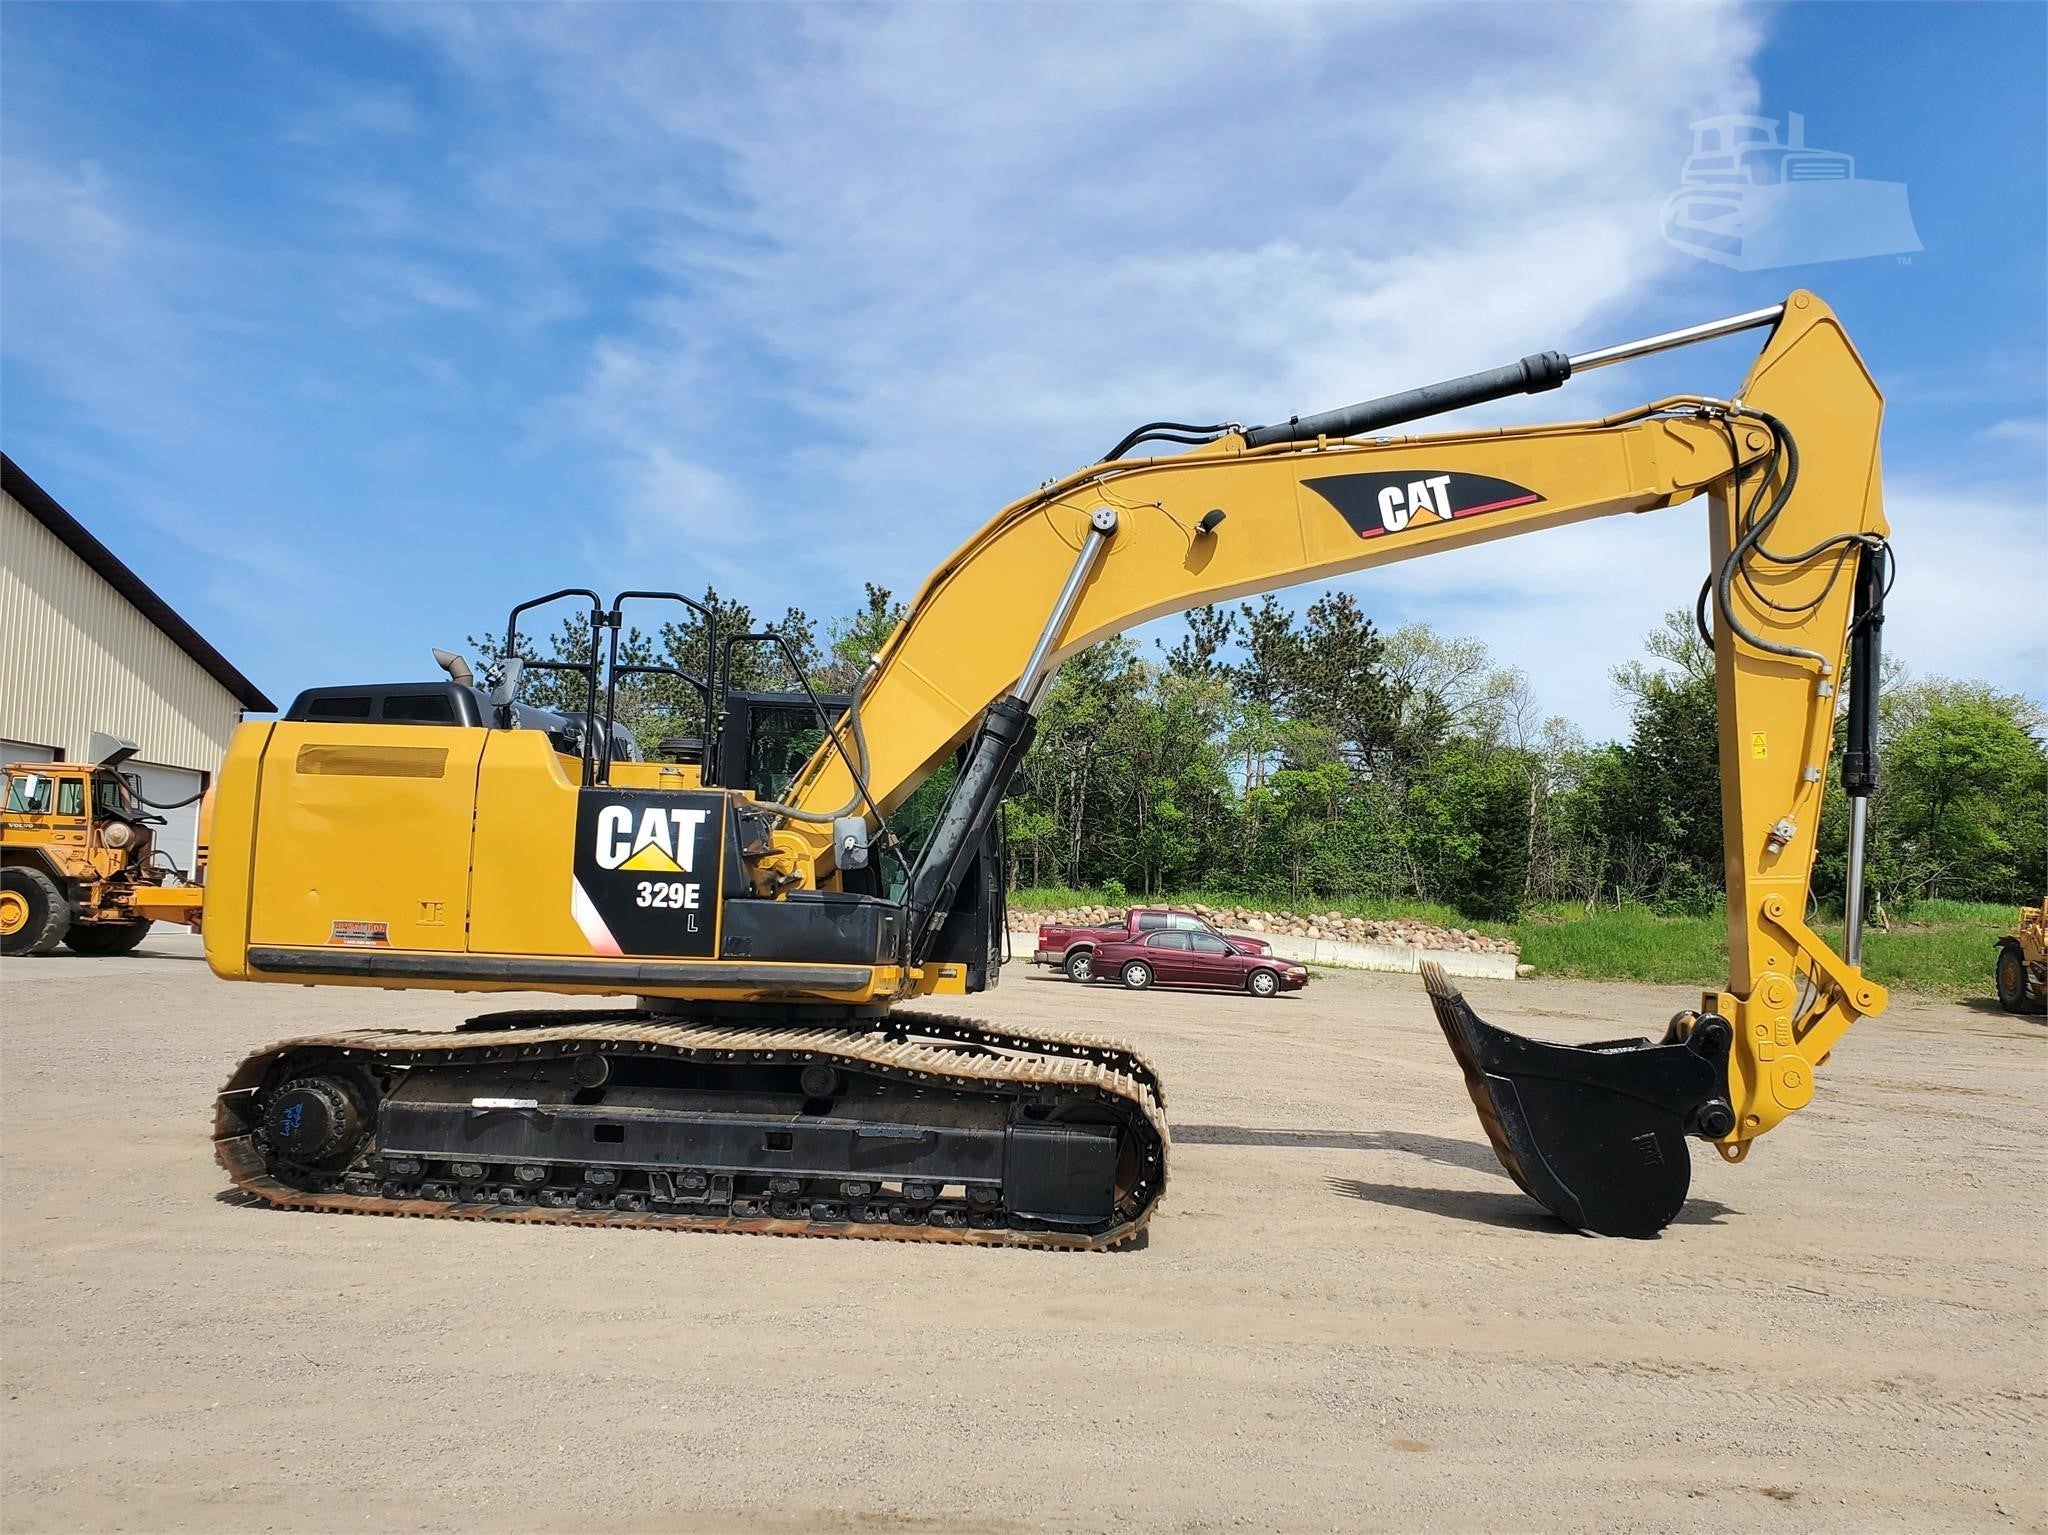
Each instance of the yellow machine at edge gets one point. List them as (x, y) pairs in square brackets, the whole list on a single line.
[(762, 922)]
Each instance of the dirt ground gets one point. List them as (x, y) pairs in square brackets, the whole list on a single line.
[(1345, 1318)]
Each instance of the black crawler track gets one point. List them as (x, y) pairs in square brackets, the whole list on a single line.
[(946, 1059)]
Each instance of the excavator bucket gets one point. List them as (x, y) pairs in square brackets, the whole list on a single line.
[(1593, 1133)]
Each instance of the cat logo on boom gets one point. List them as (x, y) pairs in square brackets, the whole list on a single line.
[(1391, 502)]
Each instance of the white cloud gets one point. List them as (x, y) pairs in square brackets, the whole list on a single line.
[(1970, 593), (2031, 432), (912, 261), (846, 279), (1966, 603)]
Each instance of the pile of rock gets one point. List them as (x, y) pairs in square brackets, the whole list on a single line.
[(1402, 932)]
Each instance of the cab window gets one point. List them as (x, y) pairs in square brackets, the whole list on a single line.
[(419, 708), (783, 742), (29, 794), (913, 822), (108, 798), (1151, 921), (341, 706), (1184, 923)]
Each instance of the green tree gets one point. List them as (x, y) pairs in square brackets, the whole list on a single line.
[(1340, 681), (1965, 812), (1665, 808), (1467, 829), (853, 641)]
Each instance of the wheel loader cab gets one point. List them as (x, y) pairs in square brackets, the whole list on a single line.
[(81, 820)]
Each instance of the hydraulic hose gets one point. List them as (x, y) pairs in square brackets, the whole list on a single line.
[(1752, 543), (176, 804), (859, 764)]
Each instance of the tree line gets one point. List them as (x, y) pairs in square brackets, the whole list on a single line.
[(1305, 757)]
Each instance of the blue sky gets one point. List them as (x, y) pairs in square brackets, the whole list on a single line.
[(349, 327)]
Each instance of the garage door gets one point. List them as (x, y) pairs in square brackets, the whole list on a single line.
[(21, 751), (179, 835)]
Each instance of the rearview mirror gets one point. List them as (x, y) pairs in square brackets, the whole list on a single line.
[(850, 842), (505, 680)]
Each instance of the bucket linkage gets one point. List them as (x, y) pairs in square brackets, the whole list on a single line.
[(1594, 1133)]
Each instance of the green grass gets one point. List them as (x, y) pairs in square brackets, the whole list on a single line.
[(1629, 944), (1941, 947), (1945, 947)]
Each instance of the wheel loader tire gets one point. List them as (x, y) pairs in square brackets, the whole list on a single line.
[(96, 940), (2012, 978), (33, 912)]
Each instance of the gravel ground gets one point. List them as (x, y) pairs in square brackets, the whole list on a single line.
[(1345, 1317)]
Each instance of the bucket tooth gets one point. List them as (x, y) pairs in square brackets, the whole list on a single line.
[(1593, 1133)]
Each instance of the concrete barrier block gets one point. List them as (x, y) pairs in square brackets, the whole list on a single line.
[(1388, 957)]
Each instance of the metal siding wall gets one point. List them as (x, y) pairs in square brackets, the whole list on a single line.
[(78, 658)]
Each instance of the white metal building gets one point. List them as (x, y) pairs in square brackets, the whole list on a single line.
[(85, 645)]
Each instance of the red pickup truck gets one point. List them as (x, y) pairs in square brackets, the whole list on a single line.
[(1072, 949)]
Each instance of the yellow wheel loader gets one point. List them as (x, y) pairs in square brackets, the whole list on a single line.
[(761, 910), (78, 859), (2021, 971)]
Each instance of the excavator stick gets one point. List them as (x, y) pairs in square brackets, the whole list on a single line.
[(1593, 1133)]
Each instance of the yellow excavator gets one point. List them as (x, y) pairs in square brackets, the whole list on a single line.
[(763, 898)]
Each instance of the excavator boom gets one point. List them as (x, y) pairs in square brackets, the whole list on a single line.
[(716, 898)]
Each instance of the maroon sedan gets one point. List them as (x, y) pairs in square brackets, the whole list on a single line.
[(1195, 959)]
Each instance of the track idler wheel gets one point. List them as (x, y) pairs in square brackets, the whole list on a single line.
[(1594, 1133)]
